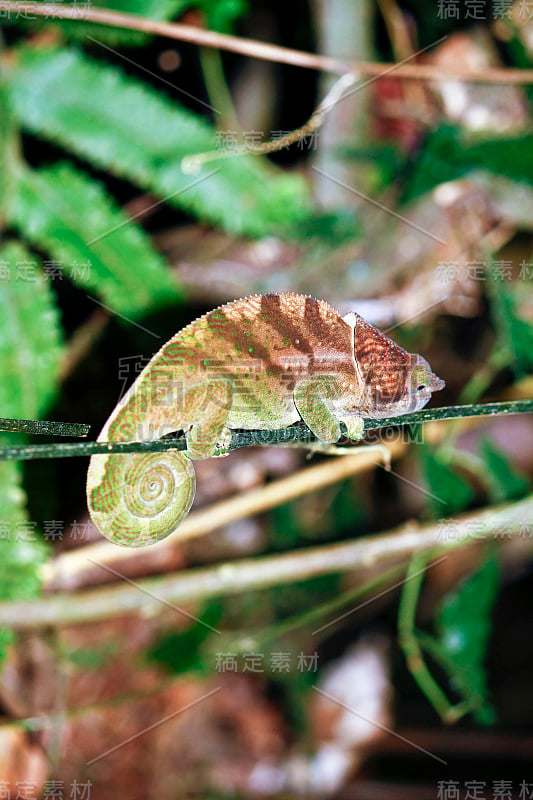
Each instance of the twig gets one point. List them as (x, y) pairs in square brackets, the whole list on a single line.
[(44, 426), (265, 572), (191, 165), (298, 433), (262, 50), (82, 340)]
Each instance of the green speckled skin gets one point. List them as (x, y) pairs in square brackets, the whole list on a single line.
[(263, 362)]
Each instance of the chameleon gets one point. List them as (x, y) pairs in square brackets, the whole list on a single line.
[(261, 362)]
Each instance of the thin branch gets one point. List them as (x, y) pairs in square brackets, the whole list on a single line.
[(82, 340), (44, 426), (191, 165), (267, 571), (256, 49), (298, 433)]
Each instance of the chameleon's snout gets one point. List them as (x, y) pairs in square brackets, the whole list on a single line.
[(436, 383)]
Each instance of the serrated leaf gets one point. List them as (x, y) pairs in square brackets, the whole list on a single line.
[(30, 352), (80, 28), (21, 550), (506, 482), (90, 238), (30, 335), (450, 492), (120, 124), (463, 623)]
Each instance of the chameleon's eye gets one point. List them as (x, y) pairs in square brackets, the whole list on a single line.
[(420, 378)]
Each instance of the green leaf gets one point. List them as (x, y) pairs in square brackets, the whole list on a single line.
[(30, 352), (450, 492), (80, 28), (464, 625), (7, 140), (30, 335), (90, 238), (221, 14), (515, 335), (120, 124), (506, 482), (182, 652), (450, 153), (21, 549), (328, 229)]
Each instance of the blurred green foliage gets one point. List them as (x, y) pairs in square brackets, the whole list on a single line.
[(66, 213), (135, 132), (462, 619), (30, 351), (514, 335), (449, 491), (505, 481), (449, 153), (463, 622)]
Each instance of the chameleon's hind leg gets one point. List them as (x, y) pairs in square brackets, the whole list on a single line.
[(310, 397), (207, 407)]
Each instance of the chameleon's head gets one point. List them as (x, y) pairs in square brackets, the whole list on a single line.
[(395, 382), (420, 384), (396, 389)]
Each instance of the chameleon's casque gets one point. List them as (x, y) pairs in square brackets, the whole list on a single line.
[(265, 361)]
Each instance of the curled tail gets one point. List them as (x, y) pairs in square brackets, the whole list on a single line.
[(137, 499)]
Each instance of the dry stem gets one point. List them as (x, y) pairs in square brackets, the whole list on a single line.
[(262, 50), (268, 571)]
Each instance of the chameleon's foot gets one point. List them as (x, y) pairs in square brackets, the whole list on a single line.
[(355, 428), (201, 442), (223, 443)]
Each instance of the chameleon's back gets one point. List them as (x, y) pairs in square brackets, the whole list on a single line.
[(261, 344)]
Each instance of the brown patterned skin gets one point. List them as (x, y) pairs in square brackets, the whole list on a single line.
[(263, 362)]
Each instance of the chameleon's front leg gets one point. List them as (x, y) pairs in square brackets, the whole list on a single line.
[(207, 406), (311, 397)]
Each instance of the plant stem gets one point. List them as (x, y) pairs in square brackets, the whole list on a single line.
[(481, 380), (217, 89), (44, 426), (298, 433), (314, 615), (409, 642), (267, 571), (257, 49)]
